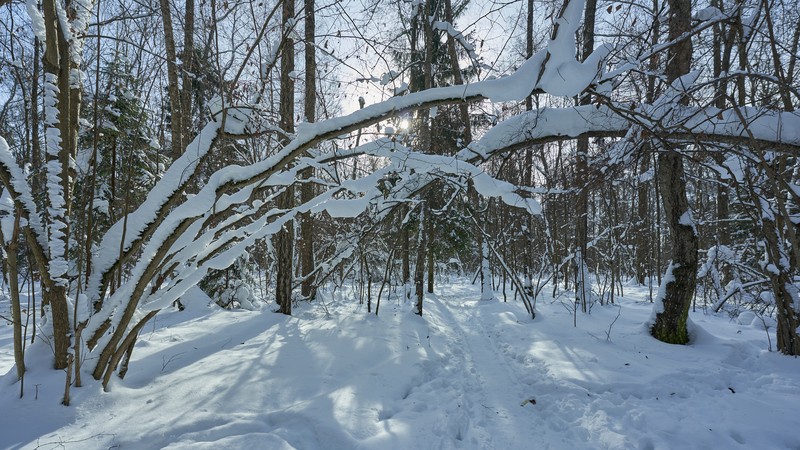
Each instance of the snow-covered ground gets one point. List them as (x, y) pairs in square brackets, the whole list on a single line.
[(469, 374)]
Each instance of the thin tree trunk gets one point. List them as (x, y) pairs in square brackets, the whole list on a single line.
[(36, 146), (457, 77), (419, 267), (642, 227), (173, 88), (426, 142), (187, 72), (93, 160), (308, 289), (285, 237), (582, 290), (429, 238), (721, 49), (405, 245), (13, 290), (528, 169)]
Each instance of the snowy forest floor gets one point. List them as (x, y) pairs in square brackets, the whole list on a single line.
[(468, 374)]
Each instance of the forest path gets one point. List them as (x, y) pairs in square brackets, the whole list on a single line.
[(500, 413), (526, 389), (338, 377)]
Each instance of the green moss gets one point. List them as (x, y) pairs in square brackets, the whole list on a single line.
[(665, 333)]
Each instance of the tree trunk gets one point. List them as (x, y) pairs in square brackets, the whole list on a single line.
[(487, 292), (58, 126), (426, 142), (187, 75), (429, 239), (642, 228), (672, 309), (528, 169), (405, 242), (680, 279), (12, 272), (308, 289), (582, 283), (783, 289), (285, 238), (643, 235), (419, 267), (173, 88), (779, 230), (722, 47)]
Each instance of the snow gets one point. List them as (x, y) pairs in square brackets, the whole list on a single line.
[(22, 191), (548, 122), (709, 13), (81, 15), (563, 75), (55, 191), (468, 374), (138, 221), (341, 208), (658, 308), (459, 37), (236, 118), (343, 380), (687, 220), (37, 21), (387, 77), (206, 201)]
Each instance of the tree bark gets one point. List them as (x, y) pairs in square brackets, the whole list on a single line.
[(419, 267), (58, 126), (187, 73), (308, 288), (173, 88), (405, 243), (780, 232), (285, 238), (681, 279), (528, 170), (642, 227), (12, 272), (429, 238), (582, 285), (783, 289)]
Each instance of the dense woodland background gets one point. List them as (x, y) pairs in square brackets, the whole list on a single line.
[(266, 149)]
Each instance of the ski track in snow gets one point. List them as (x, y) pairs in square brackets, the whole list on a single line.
[(521, 404), (479, 369), (470, 374)]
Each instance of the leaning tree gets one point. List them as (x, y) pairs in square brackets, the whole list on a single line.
[(171, 241)]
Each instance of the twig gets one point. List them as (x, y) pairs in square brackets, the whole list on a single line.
[(766, 329), (608, 332), (60, 443), (171, 358)]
